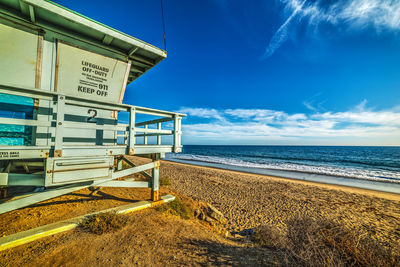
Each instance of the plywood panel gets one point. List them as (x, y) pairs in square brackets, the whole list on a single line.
[(18, 53)]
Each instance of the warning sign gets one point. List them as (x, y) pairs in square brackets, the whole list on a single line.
[(86, 74)]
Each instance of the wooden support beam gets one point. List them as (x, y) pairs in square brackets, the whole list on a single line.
[(137, 69), (134, 184), (133, 170), (21, 179), (155, 184), (133, 50), (29, 163), (131, 75), (42, 196), (24, 8), (32, 13), (145, 174), (143, 60), (107, 39)]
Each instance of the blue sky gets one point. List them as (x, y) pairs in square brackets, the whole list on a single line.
[(269, 72)]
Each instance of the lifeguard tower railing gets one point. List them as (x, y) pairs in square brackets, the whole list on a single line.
[(62, 166), (61, 116)]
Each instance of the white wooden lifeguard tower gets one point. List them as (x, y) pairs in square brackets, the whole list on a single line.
[(62, 82)]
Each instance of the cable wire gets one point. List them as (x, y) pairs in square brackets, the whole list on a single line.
[(163, 24)]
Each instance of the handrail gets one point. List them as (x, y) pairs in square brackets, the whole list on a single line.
[(153, 121), (130, 130), (78, 125), (70, 99)]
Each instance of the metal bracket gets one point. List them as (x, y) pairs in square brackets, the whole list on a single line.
[(157, 164), (155, 195), (36, 102), (58, 153)]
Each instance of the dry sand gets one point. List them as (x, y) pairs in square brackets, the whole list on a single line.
[(247, 200), (150, 239)]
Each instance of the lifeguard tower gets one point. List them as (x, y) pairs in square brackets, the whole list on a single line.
[(62, 82)]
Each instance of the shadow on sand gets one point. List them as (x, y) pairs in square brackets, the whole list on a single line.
[(237, 254), (83, 197)]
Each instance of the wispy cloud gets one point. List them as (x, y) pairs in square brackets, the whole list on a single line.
[(280, 35), (203, 113), (313, 103), (358, 125), (351, 14)]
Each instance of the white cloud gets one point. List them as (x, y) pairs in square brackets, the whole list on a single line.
[(264, 126), (353, 14), (370, 117), (202, 112), (265, 115), (378, 13)]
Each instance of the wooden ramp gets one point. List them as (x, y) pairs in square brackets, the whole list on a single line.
[(21, 238)]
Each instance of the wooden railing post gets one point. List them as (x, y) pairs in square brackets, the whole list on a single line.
[(155, 172), (180, 131), (155, 182), (119, 163), (59, 133), (132, 114), (177, 133), (159, 136), (145, 134)]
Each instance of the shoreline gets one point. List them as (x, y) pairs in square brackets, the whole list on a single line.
[(346, 188)]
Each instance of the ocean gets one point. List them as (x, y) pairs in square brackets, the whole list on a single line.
[(375, 167)]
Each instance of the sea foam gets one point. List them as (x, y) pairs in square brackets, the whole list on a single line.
[(347, 172)]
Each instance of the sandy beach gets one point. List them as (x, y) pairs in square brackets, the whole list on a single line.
[(249, 200), (246, 200)]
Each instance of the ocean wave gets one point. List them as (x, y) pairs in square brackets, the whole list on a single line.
[(347, 172), (381, 164)]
